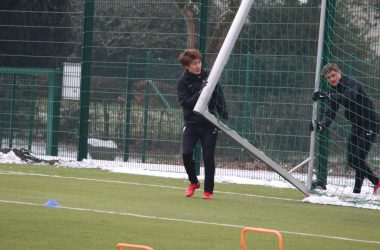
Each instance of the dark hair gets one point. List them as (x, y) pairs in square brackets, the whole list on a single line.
[(187, 56), (328, 68)]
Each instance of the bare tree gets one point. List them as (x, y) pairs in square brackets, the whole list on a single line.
[(190, 12)]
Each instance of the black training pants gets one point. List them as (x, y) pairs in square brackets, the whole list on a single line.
[(359, 144), (207, 134)]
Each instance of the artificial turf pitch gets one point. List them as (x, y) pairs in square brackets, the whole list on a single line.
[(99, 209)]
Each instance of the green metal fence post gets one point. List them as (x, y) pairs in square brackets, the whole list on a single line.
[(32, 108), (146, 103), (202, 38), (128, 101), (13, 97), (54, 103), (2, 108), (323, 140), (247, 85), (202, 34), (85, 79)]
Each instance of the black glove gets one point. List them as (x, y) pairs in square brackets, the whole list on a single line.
[(319, 127), (320, 95)]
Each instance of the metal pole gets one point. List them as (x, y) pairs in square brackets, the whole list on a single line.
[(11, 118), (32, 109), (223, 56), (316, 88), (202, 35), (54, 102), (258, 153), (247, 85), (85, 79), (148, 80), (202, 38), (128, 101)]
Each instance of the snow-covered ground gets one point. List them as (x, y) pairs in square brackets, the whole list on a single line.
[(334, 195)]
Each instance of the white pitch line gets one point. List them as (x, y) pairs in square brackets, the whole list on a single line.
[(183, 220), (139, 184)]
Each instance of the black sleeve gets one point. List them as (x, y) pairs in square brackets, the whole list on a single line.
[(353, 91), (221, 106), (330, 113), (185, 98)]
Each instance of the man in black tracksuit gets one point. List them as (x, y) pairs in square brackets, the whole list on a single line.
[(189, 87), (359, 111)]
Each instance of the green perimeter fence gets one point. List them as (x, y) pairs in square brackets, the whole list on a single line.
[(98, 78)]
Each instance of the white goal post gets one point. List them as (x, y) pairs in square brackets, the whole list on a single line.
[(201, 106)]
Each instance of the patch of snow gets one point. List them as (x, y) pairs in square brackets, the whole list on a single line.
[(101, 143), (333, 195)]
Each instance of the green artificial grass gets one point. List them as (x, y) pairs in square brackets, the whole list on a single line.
[(100, 209)]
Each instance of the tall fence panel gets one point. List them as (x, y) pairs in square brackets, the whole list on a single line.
[(36, 40)]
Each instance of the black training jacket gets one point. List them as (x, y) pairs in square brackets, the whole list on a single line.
[(188, 91), (358, 107)]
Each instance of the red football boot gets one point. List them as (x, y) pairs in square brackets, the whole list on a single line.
[(191, 189), (207, 195)]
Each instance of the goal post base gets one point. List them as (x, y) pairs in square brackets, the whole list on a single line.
[(256, 152)]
